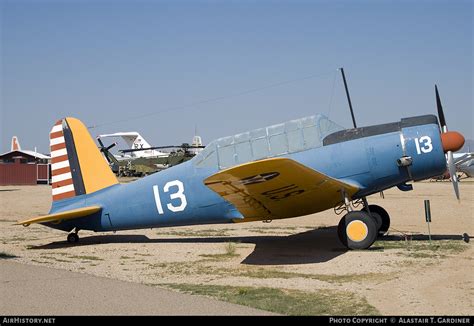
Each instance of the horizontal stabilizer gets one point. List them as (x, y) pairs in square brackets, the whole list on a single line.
[(278, 188), (66, 215)]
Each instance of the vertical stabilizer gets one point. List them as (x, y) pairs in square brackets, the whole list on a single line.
[(77, 167)]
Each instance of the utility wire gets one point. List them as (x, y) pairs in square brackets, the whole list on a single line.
[(332, 93), (212, 99)]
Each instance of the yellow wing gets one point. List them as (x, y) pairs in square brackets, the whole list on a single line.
[(58, 217), (277, 188)]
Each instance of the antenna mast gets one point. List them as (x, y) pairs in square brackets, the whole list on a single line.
[(348, 97)]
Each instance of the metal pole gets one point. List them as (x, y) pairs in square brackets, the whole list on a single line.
[(428, 217), (429, 233), (348, 97)]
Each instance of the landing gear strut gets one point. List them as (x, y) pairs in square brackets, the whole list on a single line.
[(73, 237)]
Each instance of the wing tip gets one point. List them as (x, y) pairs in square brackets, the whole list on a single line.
[(60, 216)]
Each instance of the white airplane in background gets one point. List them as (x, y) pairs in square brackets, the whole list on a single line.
[(135, 141), (465, 163)]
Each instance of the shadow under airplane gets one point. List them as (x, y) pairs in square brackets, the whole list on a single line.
[(314, 246)]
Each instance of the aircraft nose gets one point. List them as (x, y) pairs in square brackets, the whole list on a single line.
[(452, 141)]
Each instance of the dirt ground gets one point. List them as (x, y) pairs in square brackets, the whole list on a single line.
[(402, 274)]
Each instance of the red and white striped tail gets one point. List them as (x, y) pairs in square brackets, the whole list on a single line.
[(62, 182)]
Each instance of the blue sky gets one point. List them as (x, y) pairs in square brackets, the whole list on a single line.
[(185, 64)]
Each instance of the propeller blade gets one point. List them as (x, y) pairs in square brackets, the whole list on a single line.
[(452, 173), (442, 120), (100, 142), (447, 139), (109, 147), (106, 154), (451, 141), (105, 150)]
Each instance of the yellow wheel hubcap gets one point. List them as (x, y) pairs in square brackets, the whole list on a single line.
[(357, 231)]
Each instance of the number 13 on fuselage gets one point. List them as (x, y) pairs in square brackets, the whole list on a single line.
[(175, 201)]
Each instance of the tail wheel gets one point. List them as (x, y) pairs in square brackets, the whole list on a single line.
[(357, 230), (375, 209), (73, 238)]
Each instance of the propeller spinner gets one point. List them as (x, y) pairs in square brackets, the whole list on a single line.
[(452, 141)]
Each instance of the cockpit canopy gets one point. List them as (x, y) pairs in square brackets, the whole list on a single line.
[(280, 139)]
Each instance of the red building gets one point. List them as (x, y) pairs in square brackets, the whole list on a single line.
[(23, 167)]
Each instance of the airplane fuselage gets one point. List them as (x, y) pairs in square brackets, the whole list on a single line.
[(372, 158)]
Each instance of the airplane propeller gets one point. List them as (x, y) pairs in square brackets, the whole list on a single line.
[(105, 150), (452, 141)]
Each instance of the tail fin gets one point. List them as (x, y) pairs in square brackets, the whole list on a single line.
[(15, 144), (133, 139), (77, 166), (140, 142)]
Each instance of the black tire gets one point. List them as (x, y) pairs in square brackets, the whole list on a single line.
[(377, 218), (357, 230), (385, 218), (72, 238)]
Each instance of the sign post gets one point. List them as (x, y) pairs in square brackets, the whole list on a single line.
[(428, 217)]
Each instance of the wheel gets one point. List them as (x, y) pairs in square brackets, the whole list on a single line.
[(375, 209), (376, 216), (357, 230), (72, 238)]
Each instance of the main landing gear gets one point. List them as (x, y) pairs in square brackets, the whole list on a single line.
[(382, 217), (360, 229), (73, 237)]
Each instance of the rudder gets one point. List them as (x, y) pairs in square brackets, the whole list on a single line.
[(77, 166)]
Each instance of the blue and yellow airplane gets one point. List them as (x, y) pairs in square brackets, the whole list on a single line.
[(286, 170)]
